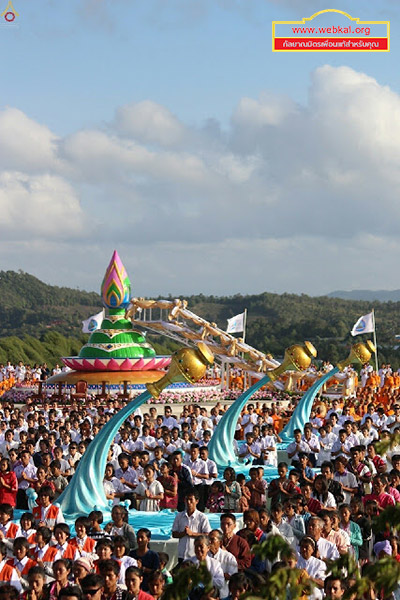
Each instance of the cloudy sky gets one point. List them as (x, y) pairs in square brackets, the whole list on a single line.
[(167, 129)]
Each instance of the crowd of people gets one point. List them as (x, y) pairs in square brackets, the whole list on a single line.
[(321, 500)]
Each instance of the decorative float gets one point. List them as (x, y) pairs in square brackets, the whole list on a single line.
[(116, 353)]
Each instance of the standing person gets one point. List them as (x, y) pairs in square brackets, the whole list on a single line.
[(345, 478), (188, 525), (256, 489), (281, 488), (61, 571), (202, 555), (199, 472), (170, 484), (8, 483), (150, 492), (352, 529), (92, 586), (315, 567), (226, 559), (26, 475), (212, 470), (234, 543), (232, 491), (184, 477)]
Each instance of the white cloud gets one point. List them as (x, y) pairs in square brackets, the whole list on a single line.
[(38, 206), (149, 122), (305, 191), (269, 109), (24, 143)]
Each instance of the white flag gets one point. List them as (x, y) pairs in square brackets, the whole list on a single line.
[(365, 324), (236, 324), (93, 323)]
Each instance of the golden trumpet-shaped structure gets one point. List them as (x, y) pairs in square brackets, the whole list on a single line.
[(188, 364), (359, 354), (298, 357)]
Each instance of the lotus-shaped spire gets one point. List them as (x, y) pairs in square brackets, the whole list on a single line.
[(116, 286)]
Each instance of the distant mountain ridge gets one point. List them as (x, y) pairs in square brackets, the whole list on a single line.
[(32, 311), (367, 295)]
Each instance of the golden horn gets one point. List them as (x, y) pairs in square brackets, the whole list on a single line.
[(296, 356), (359, 353), (187, 364)]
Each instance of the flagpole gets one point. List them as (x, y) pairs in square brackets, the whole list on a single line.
[(375, 344), (244, 324)]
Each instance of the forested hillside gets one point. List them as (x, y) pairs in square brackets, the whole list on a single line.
[(35, 314)]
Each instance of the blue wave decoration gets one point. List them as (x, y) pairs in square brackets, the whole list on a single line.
[(85, 490), (301, 414), (220, 448)]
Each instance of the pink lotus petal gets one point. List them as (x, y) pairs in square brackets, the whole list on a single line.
[(87, 365), (139, 364), (126, 365), (99, 365), (113, 365)]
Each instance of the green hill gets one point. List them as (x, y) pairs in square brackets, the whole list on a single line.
[(45, 321)]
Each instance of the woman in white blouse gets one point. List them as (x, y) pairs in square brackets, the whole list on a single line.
[(315, 568), (321, 493)]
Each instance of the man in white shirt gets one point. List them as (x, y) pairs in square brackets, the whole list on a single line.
[(335, 409), (127, 476), (250, 452), (20, 372), (226, 559), (326, 549), (268, 445), (199, 472), (202, 555), (299, 445), (345, 478), (26, 475), (342, 446), (249, 420), (188, 525), (168, 420), (212, 470), (394, 419)]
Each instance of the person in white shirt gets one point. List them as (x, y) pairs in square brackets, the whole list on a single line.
[(299, 445), (26, 475), (199, 472), (20, 372), (188, 525), (250, 452), (342, 446), (149, 491), (168, 420), (127, 476), (268, 446), (226, 560), (113, 488), (316, 568), (249, 419), (8, 444), (394, 419), (212, 470), (201, 550), (326, 549), (334, 410)]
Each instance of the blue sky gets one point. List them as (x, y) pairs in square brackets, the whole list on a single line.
[(169, 130)]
